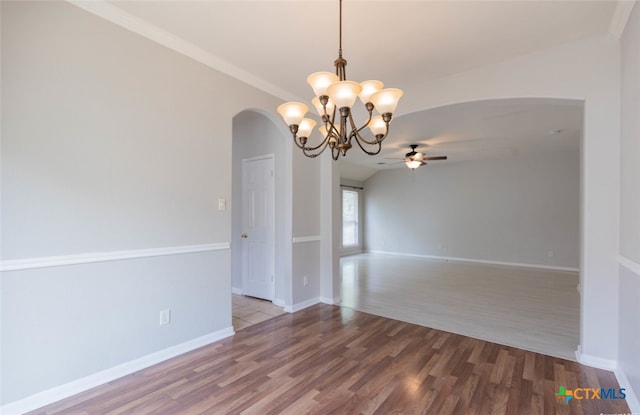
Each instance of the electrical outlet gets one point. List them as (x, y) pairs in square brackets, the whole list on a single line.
[(222, 204), (305, 280), (550, 254), (165, 317)]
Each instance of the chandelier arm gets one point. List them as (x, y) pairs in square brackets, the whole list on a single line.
[(375, 140), (332, 129), (296, 140), (335, 153), (356, 132), (324, 145), (371, 153), (365, 125)]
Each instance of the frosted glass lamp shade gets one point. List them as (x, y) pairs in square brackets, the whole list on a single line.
[(369, 88), (292, 112), (320, 81), (344, 93), (418, 157), (386, 100), (377, 125), (305, 127), (318, 105), (413, 164)]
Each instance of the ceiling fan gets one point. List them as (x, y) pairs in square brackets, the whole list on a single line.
[(415, 159)]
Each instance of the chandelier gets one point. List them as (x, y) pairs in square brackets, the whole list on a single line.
[(334, 99)]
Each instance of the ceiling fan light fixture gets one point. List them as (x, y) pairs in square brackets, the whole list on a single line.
[(413, 164), (414, 159), (334, 98)]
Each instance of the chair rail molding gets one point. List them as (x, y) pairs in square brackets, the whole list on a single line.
[(300, 239), (629, 264), (91, 257)]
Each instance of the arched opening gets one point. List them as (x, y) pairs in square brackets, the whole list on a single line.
[(257, 135)]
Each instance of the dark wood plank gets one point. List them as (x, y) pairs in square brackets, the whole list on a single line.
[(331, 360)]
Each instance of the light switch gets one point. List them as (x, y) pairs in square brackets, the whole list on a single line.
[(222, 204)]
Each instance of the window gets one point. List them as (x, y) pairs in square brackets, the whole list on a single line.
[(349, 218)]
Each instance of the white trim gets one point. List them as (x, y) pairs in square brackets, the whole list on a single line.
[(594, 361), (632, 399), (300, 239), (629, 264), (57, 393), (620, 17), (143, 28), (480, 261), (91, 257), (351, 252), (235, 290), (302, 305), (280, 303), (331, 301)]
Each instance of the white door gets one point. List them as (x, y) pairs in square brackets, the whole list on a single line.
[(258, 210)]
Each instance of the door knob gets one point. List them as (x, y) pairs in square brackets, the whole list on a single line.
[(244, 235)]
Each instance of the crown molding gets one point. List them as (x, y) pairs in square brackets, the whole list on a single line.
[(152, 32), (620, 17)]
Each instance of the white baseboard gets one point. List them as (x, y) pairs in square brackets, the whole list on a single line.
[(632, 399), (594, 361), (332, 301), (479, 261), (301, 305), (66, 390), (351, 252), (235, 290)]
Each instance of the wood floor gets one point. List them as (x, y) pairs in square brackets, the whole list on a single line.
[(533, 309), (335, 360)]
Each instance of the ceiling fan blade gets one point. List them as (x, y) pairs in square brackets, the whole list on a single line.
[(436, 158)]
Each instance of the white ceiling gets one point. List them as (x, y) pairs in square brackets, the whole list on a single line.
[(478, 130), (274, 45)]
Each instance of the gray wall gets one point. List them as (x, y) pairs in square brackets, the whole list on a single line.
[(110, 142), (511, 210), (306, 224), (629, 306)]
